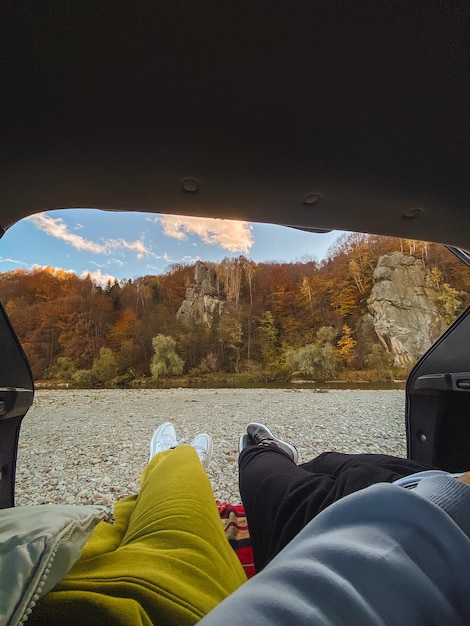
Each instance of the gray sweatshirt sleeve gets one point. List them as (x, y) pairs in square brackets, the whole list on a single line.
[(384, 555), (451, 495)]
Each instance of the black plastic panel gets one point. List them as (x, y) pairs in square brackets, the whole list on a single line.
[(438, 402), (9, 433), (16, 396)]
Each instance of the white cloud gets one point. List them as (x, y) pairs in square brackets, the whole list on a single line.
[(98, 277), (188, 260), (232, 235), (137, 246), (56, 227), (108, 263), (10, 260)]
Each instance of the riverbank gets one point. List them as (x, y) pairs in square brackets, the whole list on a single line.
[(90, 446)]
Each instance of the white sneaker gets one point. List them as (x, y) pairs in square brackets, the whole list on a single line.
[(163, 438), (203, 446)]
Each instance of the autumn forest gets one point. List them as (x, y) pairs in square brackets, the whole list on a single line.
[(278, 321)]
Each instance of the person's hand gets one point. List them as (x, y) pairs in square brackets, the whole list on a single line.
[(465, 478)]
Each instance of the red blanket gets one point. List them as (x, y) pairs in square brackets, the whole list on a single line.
[(236, 529)]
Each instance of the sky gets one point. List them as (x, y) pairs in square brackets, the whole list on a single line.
[(110, 245)]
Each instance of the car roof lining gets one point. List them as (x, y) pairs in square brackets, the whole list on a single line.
[(364, 104)]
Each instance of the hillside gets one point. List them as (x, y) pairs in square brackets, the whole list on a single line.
[(265, 320)]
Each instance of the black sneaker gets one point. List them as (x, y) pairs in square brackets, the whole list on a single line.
[(262, 436), (244, 441)]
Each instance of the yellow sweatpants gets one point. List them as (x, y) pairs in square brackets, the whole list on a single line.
[(165, 560)]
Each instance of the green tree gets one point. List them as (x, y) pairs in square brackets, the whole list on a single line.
[(230, 338), (268, 335), (63, 369), (84, 378), (317, 360), (165, 361), (105, 367), (378, 358)]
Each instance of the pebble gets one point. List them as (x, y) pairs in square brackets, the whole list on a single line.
[(90, 446)]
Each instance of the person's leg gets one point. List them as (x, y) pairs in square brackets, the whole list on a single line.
[(280, 498), (383, 467), (166, 559)]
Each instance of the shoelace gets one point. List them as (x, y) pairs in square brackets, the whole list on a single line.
[(260, 440), (166, 441)]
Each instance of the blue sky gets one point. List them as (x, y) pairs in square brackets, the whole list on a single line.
[(127, 245)]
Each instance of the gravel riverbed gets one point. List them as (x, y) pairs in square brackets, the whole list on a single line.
[(90, 446)]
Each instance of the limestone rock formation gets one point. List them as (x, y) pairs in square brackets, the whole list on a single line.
[(404, 310), (202, 297)]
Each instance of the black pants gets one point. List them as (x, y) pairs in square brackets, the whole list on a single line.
[(280, 497)]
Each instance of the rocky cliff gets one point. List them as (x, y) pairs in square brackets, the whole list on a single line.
[(404, 309), (202, 297)]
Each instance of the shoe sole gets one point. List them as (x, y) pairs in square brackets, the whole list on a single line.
[(293, 449), (244, 442), (210, 452)]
